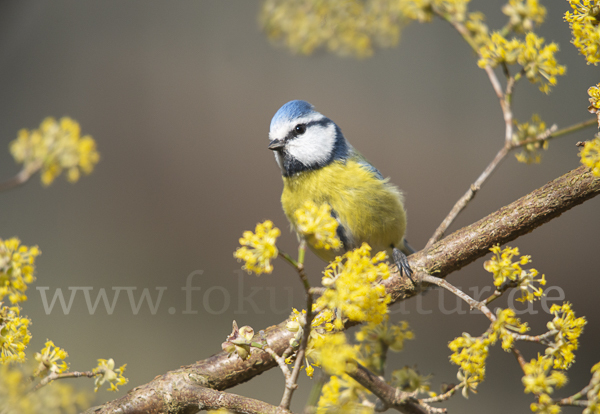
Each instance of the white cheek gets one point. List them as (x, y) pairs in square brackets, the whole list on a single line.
[(315, 146)]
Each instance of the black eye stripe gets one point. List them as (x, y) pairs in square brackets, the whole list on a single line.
[(294, 134)]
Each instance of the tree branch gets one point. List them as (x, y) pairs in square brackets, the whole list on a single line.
[(166, 393), (391, 396)]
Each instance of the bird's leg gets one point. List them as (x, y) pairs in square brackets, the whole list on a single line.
[(402, 263)]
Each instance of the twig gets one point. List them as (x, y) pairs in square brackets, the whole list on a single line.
[(392, 397), (441, 397), (21, 178), (55, 376), (549, 133), (280, 361), (573, 399), (468, 196), (473, 304), (291, 382)]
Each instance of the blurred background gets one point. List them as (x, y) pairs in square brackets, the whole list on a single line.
[(179, 97)]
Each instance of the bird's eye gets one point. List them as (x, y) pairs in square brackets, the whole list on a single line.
[(300, 129)]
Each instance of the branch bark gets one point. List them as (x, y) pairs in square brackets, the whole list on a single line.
[(169, 392)]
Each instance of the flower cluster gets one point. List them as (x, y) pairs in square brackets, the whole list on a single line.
[(391, 336), (334, 354), (352, 288), (545, 405), (504, 326), (14, 335), (409, 380), (506, 271), (593, 395), (590, 155), (17, 263), (499, 50), (470, 354), (51, 360), (477, 28), (343, 395), (258, 248), (584, 23), (524, 15), (594, 108), (538, 61), (567, 329), (540, 379), (318, 226), (54, 147), (349, 28), (239, 341), (16, 396), (376, 339), (530, 131), (423, 10), (106, 372), (321, 325)]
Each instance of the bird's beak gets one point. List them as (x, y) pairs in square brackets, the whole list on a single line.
[(276, 144)]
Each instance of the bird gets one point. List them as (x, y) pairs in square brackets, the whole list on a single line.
[(318, 164)]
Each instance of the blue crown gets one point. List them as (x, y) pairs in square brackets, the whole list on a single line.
[(292, 110)]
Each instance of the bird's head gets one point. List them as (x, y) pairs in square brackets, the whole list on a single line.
[(304, 139)]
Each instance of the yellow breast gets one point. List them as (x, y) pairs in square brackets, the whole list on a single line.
[(370, 209)]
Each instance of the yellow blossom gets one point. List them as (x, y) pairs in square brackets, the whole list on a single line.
[(16, 396), (506, 323), (478, 29), (540, 379), (348, 28), (507, 272), (318, 226), (499, 50), (342, 395), (334, 354), (590, 155), (545, 405), (470, 354), (258, 249), (419, 10), (528, 131), (391, 336), (352, 287), (584, 24), (321, 325), (524, 14), (594, 108), (469, 381), (106, 372), (14, 335), (51, 360), (422, 10), (539, 62), (568, 329), (54, 147), (593, 395), (376, 339), (409, 380), (17, 263)]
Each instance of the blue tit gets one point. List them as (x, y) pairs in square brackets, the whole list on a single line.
[(319, 165)]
